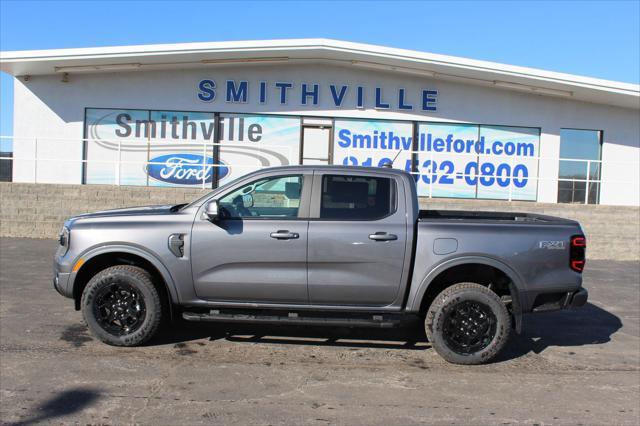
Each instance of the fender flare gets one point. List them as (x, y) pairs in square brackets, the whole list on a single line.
[(91, 253), (517, 286)]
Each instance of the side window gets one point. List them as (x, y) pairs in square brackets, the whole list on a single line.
[(273, 197), (356, 197)]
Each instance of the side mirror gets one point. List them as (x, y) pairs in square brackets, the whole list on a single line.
[(211, 210)]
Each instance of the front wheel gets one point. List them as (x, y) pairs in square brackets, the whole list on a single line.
[(121, 306), (468, 324)]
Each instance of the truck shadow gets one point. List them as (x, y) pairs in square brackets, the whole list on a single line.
[(408, 337), (589, 325)]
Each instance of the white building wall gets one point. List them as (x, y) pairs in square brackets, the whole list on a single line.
[(40, 120), (47, 108)]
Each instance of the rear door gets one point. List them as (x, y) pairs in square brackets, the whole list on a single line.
[(357, 239)]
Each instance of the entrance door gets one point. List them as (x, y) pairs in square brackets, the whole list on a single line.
[(315, 145), (257, 250)]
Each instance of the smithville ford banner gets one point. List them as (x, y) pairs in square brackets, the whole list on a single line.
[(453, 160), (172, 148), (165, 148)]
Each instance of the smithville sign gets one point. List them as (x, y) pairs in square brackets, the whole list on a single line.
[(308, 94)]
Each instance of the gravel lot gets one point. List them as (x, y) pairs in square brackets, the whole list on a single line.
[(573, 367)]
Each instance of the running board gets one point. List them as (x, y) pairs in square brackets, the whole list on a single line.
[(376, 321)]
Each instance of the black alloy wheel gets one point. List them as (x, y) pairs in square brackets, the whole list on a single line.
[(468, 324), (119, 308), (122, 306), (469, 327)]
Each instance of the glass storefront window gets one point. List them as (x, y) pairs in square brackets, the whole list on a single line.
[(207, 149), (579, 174), (252, 142), (179, 148)]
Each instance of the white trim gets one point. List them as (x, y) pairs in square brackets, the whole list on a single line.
[(42, 62)]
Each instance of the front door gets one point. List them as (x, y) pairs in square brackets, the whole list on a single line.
[(357, 241), (257, 250)]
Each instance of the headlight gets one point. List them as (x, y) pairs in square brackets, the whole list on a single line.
[(63, 238)]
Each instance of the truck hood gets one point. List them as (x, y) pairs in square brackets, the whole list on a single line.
[(130, 211)]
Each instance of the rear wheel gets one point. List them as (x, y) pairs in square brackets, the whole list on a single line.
[(468, 324), (121, 306)]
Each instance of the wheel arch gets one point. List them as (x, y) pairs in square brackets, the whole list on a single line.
[(434, 282), (103, 257)]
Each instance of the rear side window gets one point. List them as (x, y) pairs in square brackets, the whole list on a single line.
[(356, 197)]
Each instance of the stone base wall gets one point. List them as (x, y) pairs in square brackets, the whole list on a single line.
[(38, 210)]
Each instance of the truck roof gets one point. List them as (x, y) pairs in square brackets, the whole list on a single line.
[(341, 169)]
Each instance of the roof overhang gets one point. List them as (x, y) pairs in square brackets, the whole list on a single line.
[(357, 55)]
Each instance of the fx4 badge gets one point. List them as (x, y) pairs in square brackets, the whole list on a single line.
[(552, 245)]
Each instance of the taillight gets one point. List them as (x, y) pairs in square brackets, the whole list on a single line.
[(577, 252)]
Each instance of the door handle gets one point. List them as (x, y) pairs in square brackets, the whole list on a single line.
[(284, 235), (382, 236)]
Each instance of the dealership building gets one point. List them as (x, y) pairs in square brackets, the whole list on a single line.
[(200, 114)]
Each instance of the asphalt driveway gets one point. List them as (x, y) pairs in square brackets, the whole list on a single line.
[(572, 367)]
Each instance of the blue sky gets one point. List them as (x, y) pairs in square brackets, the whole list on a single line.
[(593, 38)]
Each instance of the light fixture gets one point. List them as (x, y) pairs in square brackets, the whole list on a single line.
[(101, 67), (383, 67), (514, 86), (532, 89), (245, 60), (552, 92)]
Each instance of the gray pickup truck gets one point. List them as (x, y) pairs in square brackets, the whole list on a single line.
[(340, 246)]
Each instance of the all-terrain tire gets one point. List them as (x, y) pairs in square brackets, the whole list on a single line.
[(137, 280), (447, 305)]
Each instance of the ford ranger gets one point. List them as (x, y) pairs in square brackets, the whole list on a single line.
[(320, 245)]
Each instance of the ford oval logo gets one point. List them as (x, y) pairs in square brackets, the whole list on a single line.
[(185, 169)]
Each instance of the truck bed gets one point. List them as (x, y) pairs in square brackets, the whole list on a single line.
[(464, 215)]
